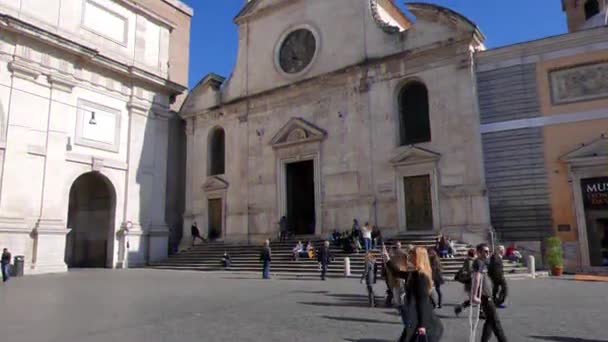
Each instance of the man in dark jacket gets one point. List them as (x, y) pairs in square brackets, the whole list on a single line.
[(195, 233), (497, 274), (481, 293), (324, 257), (5, 264), (266, 258)]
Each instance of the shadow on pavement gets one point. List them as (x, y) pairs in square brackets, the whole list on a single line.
[(359, 320), (565, 339)]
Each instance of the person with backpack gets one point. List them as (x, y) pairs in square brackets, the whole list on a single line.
[(464, 276), (368, 275)]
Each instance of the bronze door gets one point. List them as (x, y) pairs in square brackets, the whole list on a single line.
[(215, 219), (418, 203)]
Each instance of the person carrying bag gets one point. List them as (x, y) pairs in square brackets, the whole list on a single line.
[(420, 322)]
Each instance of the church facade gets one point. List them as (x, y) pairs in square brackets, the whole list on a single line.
[(339, 110), (88, 98)]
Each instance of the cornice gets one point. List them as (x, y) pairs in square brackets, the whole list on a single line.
[(87, 54), (544, 45), (24, 70)]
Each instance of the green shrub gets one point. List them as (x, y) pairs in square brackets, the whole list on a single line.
[(554, 255)]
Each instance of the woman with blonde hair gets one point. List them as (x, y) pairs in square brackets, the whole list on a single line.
[(421, 324)]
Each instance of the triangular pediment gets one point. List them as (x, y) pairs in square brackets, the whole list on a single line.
[(255, 6), (414, 155), (297, 131), (597, 149), (215, 183)]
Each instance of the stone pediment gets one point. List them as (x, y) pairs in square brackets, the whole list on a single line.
[(596, 150), (215, 183), (414, 155), (297, 131), (255, 6)]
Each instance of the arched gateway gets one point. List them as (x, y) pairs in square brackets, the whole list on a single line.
[(91, 220)]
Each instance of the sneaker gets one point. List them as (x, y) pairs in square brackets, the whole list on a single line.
[(502, 306)]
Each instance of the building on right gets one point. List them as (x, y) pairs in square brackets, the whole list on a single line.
[(544, 122)]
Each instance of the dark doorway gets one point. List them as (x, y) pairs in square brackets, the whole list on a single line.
[(301, 216), (418, 203), (215, 219), (91, 219)]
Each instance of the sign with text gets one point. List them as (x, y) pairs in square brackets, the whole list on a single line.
[(595, 193)]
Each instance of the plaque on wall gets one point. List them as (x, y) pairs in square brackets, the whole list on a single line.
[(595, 193), (579, 83)]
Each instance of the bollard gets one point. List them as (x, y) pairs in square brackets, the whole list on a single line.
[(532, 266), (346, 267)]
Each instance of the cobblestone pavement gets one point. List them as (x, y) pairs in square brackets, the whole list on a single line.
[(150, 306)]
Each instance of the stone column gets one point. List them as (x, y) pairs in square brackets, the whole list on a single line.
[(159, 231), (188, 214), (136, 195), (51, 228)]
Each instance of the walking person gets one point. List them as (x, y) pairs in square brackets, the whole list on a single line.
[(398, 284), (368, 275), (195, 233), (266, 258), (6, 265), (497, 275), (324, 257), (464, 276), (417, 313), (481, 293), (437, 277), (366, 232)]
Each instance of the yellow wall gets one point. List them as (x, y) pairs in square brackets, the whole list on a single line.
[(563, 138)]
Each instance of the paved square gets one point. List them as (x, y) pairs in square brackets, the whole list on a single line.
[(151, 306)]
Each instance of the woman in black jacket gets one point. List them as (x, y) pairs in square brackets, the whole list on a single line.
[(421, 324), (437, 276)]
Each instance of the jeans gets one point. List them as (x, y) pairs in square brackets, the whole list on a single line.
[(266, 270), (368, 244), (6, 272), (492, 324), (323, 270)]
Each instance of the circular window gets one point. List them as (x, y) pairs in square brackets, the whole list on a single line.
[(297, 51)]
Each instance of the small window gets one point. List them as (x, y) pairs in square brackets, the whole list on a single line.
[(414, 121), (217, 152), (592, 7)]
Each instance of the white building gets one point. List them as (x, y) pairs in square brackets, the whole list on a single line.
[(87, 93)]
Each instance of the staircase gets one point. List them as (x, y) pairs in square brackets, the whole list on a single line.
[(245, 258)]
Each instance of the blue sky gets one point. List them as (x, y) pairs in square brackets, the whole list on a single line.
[(214, 36)]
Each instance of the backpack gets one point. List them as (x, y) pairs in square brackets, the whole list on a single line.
[(464, 274)]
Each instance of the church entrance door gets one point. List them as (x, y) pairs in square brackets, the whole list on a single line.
[(215, 219), (418, 203), (91, 219), (300, 186)]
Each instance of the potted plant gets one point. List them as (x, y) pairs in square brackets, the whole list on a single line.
[(554, 256)]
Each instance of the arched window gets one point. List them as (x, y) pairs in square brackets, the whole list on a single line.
[(414, 122), (592, 7), (217, 152)]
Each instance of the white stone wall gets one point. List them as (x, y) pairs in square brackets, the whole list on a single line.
[(350, 92), (116, 28), (45, 147)]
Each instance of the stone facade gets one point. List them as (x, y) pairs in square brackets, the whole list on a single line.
[(341, 112), (87, 93), (544, 126)]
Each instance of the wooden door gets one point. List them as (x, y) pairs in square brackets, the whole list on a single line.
[(215, 219), (418, 203)]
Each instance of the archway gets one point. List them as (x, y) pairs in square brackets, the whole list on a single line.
[(91, 220)]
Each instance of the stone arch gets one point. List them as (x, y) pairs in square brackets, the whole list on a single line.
[(414, 118), (91, 220), (592, 7), (216, 151)]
